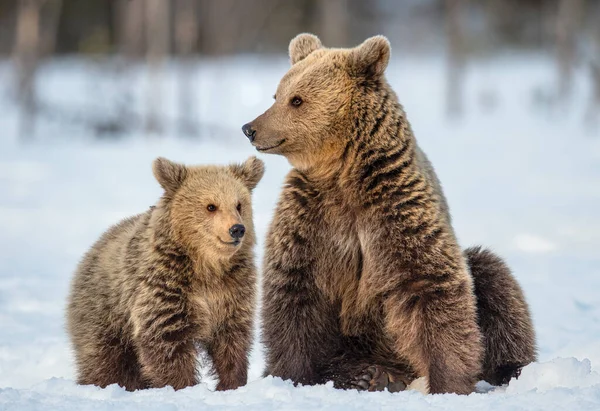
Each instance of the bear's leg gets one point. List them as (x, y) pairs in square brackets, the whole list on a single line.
[(112, 362), (436, 330), (229, 353), (165, 362), (300, 329), (504, 318), (163, 337)]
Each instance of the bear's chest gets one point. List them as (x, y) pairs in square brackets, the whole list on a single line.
[(209, 309), (339, 265), (330, 221), (340, 273)]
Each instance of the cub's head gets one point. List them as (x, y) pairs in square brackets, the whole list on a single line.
[(209, 208), (312, 116)]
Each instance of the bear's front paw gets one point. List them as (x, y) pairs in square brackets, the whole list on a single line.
[(377, 378)]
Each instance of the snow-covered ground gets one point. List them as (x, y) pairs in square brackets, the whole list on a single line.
[(521, 172)]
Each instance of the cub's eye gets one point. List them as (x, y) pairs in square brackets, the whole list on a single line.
[(274, 96), (296, 101), (211, 207), (239, 207)]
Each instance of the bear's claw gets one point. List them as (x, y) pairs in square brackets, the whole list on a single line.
[(376, 378)]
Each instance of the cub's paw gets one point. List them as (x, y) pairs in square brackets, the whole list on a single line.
[(377, 378)]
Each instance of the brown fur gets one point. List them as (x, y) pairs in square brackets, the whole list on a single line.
[(504, 319), (160, 283), (362, 266)]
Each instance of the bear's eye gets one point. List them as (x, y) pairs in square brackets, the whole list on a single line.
[(239, 207), (274, 96), (211, 207), (296, 101)]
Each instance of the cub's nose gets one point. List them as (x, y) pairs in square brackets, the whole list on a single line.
[(237, 231), (249, 131)]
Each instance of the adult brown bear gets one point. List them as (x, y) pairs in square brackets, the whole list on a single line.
[(364, 281)]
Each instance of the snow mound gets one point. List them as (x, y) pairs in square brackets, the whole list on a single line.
[(561, 384), (560, 372)]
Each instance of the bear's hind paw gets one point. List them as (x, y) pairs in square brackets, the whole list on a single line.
[(376, 378)]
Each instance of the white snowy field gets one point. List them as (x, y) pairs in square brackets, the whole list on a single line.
[(521, 173)]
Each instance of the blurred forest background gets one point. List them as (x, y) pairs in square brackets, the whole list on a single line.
[(121, 34)]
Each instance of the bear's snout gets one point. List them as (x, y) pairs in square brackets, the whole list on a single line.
[(237, 231), (249, 131)]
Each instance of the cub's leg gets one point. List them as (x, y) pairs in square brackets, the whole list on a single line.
[(229, 352), (504, 318), (164, 341), (109, 361)]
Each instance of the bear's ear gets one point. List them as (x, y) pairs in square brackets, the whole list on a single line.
[(302, 45), (250, 171), (371, 58), (170, 175)]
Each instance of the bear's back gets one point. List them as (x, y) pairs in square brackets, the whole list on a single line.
[(106, 275), (427, 168)]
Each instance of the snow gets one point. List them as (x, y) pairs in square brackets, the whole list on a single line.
[(521, 176), (274, 394), (560, 372)]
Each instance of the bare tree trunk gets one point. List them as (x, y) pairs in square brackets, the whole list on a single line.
[(456, 59), (157, 49), (569, 16), (129, 21), (49, 27), (593, 111), (26, 55), (334, 18), (228, 26), (186, 38), (130, 27), (222, 21)]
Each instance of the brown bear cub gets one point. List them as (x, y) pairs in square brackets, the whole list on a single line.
[(179, 277), (364, 282)]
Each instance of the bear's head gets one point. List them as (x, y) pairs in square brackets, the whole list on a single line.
[(208, 209), (312, 117)]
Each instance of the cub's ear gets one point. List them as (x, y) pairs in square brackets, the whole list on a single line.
[(170, 175), (250, 171), (371, 58), (302, 45)]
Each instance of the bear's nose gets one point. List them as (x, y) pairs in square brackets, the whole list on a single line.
[(237, 231), (249, 131)]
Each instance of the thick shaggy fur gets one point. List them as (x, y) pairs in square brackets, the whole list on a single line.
[(362, 266), (508, 336), (158, 286)]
